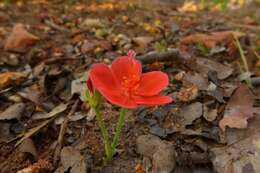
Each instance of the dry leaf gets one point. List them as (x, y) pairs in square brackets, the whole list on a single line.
[(143, 41), (188, 94), (204, 66), (8, 78), (19, 38), (40, 166), (239, 109), (13, 112), (139, 168), (241, 157), (190, 113), (72, 160), (58, 109), (51, 115), (27, 146), (210, 40)]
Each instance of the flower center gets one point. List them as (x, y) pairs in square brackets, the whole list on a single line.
[(130, 84)]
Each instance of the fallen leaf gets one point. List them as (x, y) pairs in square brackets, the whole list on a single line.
[(158, 131), (239, 109), (204, 66), (40, 166), (189, 6), (58, 109), (142, 41), (32, 131), (32, 93), (87, 47), (72, 160), (243, 156), (51, 116), (210, 40), (14, 111), (188, 94), (27, 146), (195, 79), (235, 135), (139, 168), (9, 78), (179, 76), (5, 132), (79, 86), (90, 23), (209, 115), (19, 38), (190, 113)]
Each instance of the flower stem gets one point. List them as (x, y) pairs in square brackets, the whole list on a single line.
[(105, 134), (119, 128)]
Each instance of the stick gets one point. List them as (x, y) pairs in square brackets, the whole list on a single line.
[(255, 80), (154, 56), (63, 129), (55, 26)]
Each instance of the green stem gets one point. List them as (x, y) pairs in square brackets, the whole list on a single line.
[(119, 128), (244, 60), (104, 132)]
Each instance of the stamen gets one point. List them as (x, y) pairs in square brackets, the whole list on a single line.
[(131, 53)]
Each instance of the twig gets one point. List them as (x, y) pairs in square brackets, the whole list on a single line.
[(244, 26), (63, 129), (255, 80), (57, 27), (154, 56)]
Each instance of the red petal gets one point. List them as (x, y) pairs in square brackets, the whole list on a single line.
[(126, 67), (152, 100), (152, 83), (103, 78), (119, 99), (105, 82)]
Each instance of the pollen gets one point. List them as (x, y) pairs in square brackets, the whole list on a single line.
[(130, 84)]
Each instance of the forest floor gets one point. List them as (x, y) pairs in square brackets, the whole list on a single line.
[(212, 57)]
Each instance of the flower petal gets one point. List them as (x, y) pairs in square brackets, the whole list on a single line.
[(103, 78), (152, 83), (105, 82), (119, 99), (152, 100), (126, 67)]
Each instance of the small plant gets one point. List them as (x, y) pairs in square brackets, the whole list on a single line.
[(203, 49), (222, 3), (124, 85), (161, 46)]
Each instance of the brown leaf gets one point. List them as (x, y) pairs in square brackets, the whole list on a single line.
[(242, 156), (139, 168), (8, 78), (188, 94), (143, 41), (32, 93), (210, 40), (239, 109), (40, 166), (27, 146), (14, 111), (190, 113), (19, 38), (73, 160), (204, 66)]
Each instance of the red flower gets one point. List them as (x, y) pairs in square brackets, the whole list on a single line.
[(124, 84)]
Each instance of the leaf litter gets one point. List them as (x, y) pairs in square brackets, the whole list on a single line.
[(59, 48)]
